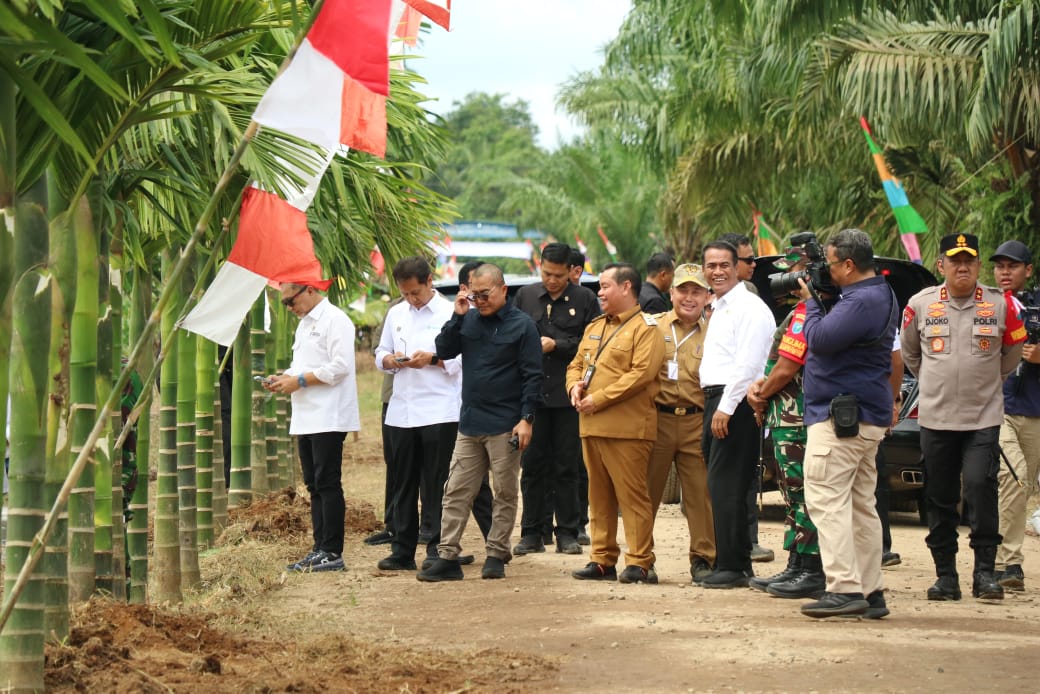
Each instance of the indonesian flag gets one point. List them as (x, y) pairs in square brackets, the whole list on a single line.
[(273, 246), (437, 10)]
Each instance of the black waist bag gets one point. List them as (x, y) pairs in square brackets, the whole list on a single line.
[(845, 412)]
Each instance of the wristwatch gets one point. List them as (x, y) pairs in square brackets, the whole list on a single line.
[(434, 360), (529, 418)]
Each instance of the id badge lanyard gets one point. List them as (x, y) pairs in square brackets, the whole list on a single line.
[(673, 363), (591, 368)]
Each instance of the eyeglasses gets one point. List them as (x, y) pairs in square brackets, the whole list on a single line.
[(288, 301), (480, 296), (750, 260)]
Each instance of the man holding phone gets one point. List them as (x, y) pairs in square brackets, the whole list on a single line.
[(423, 413)]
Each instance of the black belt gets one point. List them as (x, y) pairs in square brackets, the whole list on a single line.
[(680, 411), (712, 391)]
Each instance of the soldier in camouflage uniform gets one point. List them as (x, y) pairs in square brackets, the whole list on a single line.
[(778, 398)]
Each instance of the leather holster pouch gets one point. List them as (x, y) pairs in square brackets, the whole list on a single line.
[(845, 413)]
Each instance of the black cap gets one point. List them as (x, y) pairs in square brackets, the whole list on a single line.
[(952, 244), (1015, 250)]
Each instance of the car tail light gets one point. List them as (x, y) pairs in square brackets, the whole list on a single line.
[(912, 414)]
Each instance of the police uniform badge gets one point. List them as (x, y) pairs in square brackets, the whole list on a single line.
[(984, 344), (938, 344)]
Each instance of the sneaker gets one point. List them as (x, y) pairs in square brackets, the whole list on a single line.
[(306, 561), (583, 538), (760, 553), (529, 544), (567, 545), (636, 574), (395, 563), (596, 572), (1012, 578), (891, 559), (876, 605), (441, 570), (836, 605), (493, 568), (699, 570), (326, 561), (945, 588), (380, 537)]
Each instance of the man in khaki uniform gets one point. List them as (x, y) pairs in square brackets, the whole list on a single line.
[(680, 413), (961, 340), (612, 382)]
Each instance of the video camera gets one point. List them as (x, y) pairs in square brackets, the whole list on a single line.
[(817, 274), (1030, 316)]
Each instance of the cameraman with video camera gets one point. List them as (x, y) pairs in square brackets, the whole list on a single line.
[(848, 407), (1020, 431)]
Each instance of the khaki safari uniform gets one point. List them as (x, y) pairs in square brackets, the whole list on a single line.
[(626, 352), (680, 418)]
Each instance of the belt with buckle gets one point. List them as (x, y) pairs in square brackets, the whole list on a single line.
[(680, 411), (712, 391)]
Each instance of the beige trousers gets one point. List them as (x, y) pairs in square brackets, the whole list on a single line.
[(1020, 441), (617, 479)]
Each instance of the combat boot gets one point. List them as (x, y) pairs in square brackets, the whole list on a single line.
[(947, 586), (793, 568), (984, 585), (809, 583)]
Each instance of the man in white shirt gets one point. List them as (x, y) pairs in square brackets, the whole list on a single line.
[(735, 350), (323, 385), (422, 417)]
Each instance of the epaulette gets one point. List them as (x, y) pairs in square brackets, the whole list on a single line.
[(649, 320), (659, 316)]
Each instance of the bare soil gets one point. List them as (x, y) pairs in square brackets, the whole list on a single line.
[(253, 627)]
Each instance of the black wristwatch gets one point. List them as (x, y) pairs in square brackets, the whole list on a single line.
[(529, 418), (434, 360)]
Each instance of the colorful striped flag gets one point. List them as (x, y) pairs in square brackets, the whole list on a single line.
[(910, 223), (765, 238), (611, 248)]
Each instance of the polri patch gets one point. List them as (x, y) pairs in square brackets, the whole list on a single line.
[(938, 344)]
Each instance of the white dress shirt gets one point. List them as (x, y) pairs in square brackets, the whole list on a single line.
[(736, 345), (432, 394), (324, 346)]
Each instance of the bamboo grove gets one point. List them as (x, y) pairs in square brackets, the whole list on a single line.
[(125, 138)]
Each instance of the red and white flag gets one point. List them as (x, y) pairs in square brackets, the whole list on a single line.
[(437, 10), (274, 245)]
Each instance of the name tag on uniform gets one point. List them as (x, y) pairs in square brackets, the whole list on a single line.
[(595, 337), (673, 371)]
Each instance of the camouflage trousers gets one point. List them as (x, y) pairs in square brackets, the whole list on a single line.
[(800, 532)]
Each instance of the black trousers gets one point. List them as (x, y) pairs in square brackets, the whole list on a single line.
[(390, 484), (949, 458), (731, 467), (881, 497), (321, 458), (421, 457), (549, 481)]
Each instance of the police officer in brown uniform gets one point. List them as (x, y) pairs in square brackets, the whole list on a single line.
[(612, 382), (961, 340), (680, 413)]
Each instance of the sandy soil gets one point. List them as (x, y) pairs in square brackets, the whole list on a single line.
[(254, 628)]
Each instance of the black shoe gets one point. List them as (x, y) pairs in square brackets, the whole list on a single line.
[(636, 574), (985, 586), (877, 607), (595, 572), (380, 537), (807, 584), (700, 569), (793, 568), (529, 544), (583, 538), (395, 563), (945, 588), (493, 568), (441, 570), (465, 559), (326, 561), (1012, 578), (567, 545), (726, 579), (890, 559), (836, 605)]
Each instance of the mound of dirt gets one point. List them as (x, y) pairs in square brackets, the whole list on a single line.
[(138, 648), (286, 514)]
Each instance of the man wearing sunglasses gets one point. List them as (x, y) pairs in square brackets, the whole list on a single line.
[(323, 385), (501, 390)]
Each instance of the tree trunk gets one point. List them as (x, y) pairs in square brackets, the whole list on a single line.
[(258, 452), (220, 485), (186, 478), (282, 360), (118, 458), (21, 643), (137, 533), (167, 542), (205, 392), (274, 469), (241, 404), (104, 503), (82, 375)]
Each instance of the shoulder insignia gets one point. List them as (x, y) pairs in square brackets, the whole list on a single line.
[(649, 320), (943, 294), (978, 293), (908, 316)]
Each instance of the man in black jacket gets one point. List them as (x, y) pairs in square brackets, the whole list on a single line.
[(561, 311)]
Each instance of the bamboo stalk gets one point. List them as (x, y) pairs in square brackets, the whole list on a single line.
[(137, 532), (258, 448), (205, 377), (241, 406), (166, 548), (104, 502), (186, 477)]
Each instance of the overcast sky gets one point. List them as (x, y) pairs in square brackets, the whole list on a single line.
[(524, 50)]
